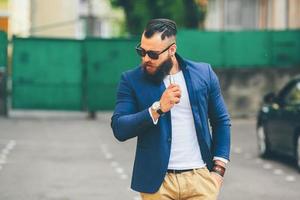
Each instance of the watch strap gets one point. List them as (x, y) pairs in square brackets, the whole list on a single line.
[(159, 111)]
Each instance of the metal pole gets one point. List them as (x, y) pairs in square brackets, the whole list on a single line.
[(3, 92), (3, 75)]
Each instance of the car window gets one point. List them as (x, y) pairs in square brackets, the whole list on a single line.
[(293, 96)]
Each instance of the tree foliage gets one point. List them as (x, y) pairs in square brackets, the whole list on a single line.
[(186, 13)]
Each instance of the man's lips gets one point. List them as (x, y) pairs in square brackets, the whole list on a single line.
[(149, 66)]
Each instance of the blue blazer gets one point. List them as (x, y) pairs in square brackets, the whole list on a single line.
[(131, 119)]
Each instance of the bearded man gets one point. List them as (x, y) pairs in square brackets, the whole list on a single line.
[(167, 103)]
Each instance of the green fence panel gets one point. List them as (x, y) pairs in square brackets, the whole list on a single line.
[(47, 74), (285, 48), (201, 46), (3, 49), (106, 59), (241, 49), (76, 75), (225, 49), (246, 49)]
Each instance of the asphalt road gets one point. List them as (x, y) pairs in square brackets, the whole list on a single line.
[(65, 156)]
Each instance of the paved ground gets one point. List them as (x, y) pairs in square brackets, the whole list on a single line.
[(64, 156)]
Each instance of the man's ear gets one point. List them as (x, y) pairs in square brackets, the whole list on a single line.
[(173, 50)]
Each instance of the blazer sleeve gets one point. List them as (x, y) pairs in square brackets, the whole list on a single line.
[(127, 121), (219, 118)]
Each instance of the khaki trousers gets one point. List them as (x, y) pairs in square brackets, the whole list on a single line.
[(192, 185)]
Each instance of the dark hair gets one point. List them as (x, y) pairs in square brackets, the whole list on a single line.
[(165, 26)]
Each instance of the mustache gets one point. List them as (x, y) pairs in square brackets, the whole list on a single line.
[(147, 64), (162, 70)]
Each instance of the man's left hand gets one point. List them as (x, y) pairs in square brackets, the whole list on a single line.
[(218, 178)]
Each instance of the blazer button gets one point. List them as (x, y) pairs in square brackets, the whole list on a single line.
[(169, 139)]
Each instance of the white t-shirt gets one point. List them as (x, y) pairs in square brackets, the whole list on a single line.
[(185, 151)]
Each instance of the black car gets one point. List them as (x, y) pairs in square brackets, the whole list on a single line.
[(278, 122)]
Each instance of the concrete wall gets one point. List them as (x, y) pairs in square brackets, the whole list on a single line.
[(243, 89)]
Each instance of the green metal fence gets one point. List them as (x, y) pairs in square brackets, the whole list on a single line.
[(83, 75), (285, 48), (242, 49), (47, 74), (105, 61), (3, 49)]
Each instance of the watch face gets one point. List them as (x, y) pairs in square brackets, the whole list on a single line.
[(156, 105)]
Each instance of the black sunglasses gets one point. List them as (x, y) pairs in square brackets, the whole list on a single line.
[(152, 54)]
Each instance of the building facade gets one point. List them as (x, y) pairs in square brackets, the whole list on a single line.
[(252, 15), (4, 15), (66, 19)]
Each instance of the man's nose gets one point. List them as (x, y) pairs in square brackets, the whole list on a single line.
[(146, 58)]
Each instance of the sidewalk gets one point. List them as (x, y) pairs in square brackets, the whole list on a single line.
[(61, 156)]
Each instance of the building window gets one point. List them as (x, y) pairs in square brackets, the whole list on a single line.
[(240, 14)]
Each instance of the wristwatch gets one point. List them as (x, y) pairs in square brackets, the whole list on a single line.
[(156, 107)]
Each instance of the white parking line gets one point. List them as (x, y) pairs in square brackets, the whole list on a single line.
[(5, 152), (124, 176), (11, 144), (267, 166), (114, 163), (290, 178), (119, 170), (2, 159), (108, 156), (278, 172)]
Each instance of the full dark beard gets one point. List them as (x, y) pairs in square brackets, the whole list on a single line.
[(162, 71)]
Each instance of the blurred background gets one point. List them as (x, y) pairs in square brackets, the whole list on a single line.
[(60, 63)]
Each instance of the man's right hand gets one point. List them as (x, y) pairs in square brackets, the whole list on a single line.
[(170, 97)]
